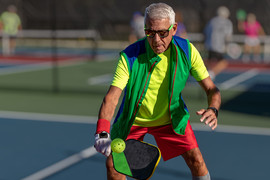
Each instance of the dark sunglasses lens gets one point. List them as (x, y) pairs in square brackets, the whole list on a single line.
[(149, 33), (163, 34)]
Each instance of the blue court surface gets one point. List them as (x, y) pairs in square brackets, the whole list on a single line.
[(55, 150)]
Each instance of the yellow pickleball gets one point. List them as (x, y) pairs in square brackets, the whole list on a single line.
[(118, 145)]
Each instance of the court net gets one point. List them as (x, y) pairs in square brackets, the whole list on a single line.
[(61, 60), (49, 42)]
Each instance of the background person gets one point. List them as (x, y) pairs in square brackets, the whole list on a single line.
[(252, 29), (137, 26), (181, 28), (152, 72), (217, 31), (10, 23)]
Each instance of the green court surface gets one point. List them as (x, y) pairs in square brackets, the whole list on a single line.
[(83, 84)]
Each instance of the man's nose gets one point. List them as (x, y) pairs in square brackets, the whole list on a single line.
[(156, 37)]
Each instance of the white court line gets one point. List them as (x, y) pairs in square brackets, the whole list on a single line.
[(54, 168), (69, 161), (48, 117), (39, 66), (105, 78), (25, 68), (238, 79), (89, 152), (93, 120), (233, 129)]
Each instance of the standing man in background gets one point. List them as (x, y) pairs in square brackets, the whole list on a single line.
[(152, 73), (137, 25), (181, 28), (10, 23), (217, 32)]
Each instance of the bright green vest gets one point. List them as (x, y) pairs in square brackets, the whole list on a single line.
[(141, 62)]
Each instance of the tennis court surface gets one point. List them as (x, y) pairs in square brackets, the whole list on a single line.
[(36, 149), (53, 82), (48, 135)]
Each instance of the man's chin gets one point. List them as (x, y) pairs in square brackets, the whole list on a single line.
[(159, 51)]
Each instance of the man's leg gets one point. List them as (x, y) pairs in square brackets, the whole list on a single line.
[(196, 164), (112, 174), (12, 44), (220, 66)]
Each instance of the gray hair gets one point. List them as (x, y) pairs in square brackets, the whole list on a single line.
[(159, 11)]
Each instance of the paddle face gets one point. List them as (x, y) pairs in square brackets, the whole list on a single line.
[(139, 159)]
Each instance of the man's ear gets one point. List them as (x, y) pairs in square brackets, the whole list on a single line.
[(174, 28)]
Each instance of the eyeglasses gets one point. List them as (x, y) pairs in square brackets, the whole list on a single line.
[(162, 33)]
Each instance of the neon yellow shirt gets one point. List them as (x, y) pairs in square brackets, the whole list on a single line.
[(11, 22), (154, 110)]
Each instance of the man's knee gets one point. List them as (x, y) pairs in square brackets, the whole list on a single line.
[(195, 162)]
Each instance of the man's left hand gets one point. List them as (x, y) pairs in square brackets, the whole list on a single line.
[(208, 117)]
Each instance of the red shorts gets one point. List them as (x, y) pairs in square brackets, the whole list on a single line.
[(169, 143)]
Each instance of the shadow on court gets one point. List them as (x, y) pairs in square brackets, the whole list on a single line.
[(178, 173), (253, 101)]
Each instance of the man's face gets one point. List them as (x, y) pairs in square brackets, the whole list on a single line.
[(157, 43)]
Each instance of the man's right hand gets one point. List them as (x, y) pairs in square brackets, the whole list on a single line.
[(103, 143)]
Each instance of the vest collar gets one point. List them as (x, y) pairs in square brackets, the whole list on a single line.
[(151, 55)]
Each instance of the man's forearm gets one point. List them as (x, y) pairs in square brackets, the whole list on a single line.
[(214, 98), (109, 103), (107, 110)]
